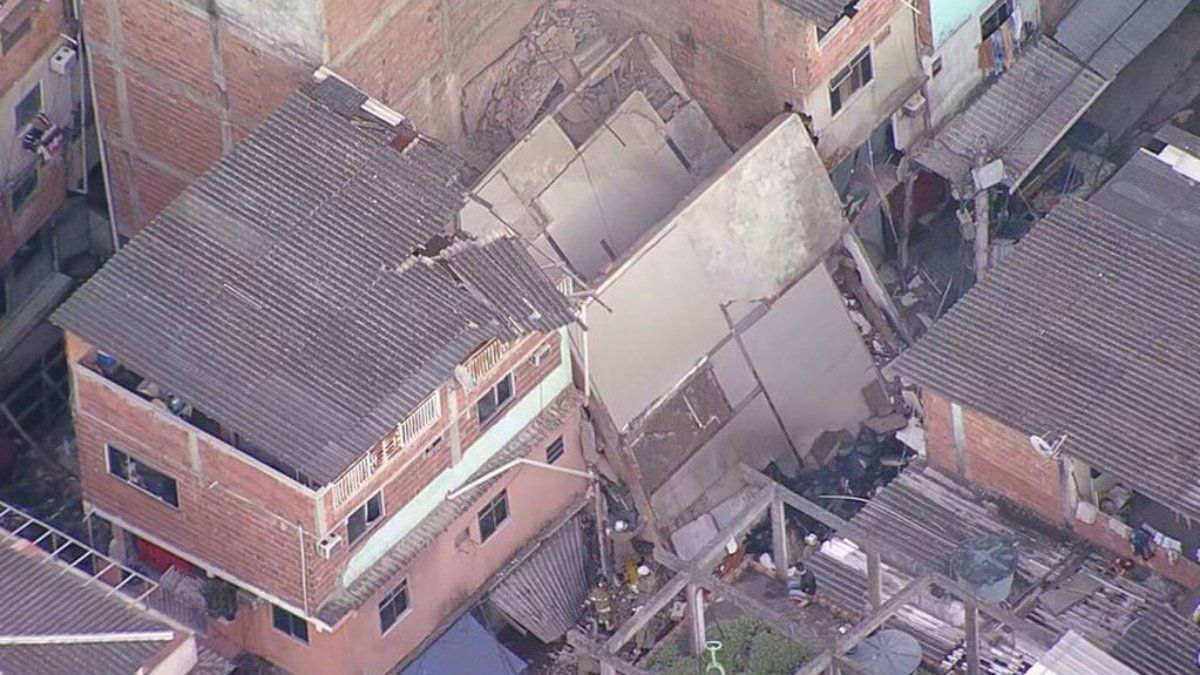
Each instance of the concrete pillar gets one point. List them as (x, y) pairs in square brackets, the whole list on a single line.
[(695, 597), (982, 225), (779, 543), (972, 635)]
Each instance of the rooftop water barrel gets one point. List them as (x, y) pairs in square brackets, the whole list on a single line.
[(986, 564)]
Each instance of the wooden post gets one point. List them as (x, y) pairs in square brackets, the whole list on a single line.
[(972, 635), (874, 578), (779, 542), (601, 523), (695, 598)]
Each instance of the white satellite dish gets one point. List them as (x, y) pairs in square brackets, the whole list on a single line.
[(1044, 448)]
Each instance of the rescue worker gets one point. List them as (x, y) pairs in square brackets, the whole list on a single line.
[(601, 602)]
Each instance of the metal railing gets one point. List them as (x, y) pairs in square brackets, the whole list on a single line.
[(18, 528), (424, 418)]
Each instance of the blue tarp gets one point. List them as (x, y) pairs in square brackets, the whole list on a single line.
[(466, 647)]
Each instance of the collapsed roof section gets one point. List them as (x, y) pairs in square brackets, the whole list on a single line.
[(313, 269)]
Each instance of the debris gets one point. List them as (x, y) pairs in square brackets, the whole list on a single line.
[(887, 423)]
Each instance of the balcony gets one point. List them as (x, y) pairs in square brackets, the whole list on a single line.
[(393, 446), (485, 360)]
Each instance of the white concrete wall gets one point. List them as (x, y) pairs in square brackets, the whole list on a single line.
[(896, 70), (959, 53)]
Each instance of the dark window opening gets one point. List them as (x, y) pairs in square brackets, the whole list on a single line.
[(493, 516), (365, 517), (994, 18), (29, 106), (23, 190), (432, 448), (495, 399), (286, 622), (10, 36), (393, 606), (555, 451), (137, 474), (849, 80)]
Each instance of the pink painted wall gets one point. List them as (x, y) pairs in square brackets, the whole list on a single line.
[(440, 580)]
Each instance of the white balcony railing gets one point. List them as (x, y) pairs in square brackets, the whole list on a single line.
[(424, 418), (483, 362)]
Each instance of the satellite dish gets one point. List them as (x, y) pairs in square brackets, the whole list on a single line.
[(1045, 448)]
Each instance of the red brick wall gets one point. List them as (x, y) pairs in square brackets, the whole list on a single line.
[(230, 515), (17, 228), (996, 457), (841, 46), (168, 107), (1184, 571), (46, 25)]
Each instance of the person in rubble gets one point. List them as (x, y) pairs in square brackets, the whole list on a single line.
[(803, 587), (1142, 543), (601, 602)]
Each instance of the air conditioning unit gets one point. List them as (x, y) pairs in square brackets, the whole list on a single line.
[(541, 354), (328, 545), (63, 59), (914, 105)]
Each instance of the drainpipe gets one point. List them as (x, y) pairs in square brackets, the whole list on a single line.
[(303, 568), (587, 375)]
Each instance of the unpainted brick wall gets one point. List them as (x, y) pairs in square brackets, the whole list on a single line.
[(47, 23), (995, 457), (175, 88)]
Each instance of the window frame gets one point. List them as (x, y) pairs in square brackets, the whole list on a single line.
[(290, 631), (142, 468), (497, 405), (853, 68), (994, 11), (11, 35), (24, 120), (488, 512), (28, 185), (369, 523), (556, 450), (398, 591)]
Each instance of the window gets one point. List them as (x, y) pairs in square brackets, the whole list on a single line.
[(393, 607), (17, 24), (495, 399), (849, 80), (493, 516), (994, 18), (286, 622), (365, 517), (29, 106), (23, 190), (139, 475), (555, 451), (432, 448), (935, 67)]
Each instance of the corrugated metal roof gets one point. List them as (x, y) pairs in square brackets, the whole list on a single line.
[(546, 592), (1018, 118), (1074, 655), (1161, 642), (284, 280), (1108, 34), (379, 574), (41, 598), (1147, 191), (1085, 330), (1173, 135), (824, 13), (924, 514)]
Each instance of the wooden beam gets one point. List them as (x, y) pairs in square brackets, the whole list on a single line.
[(971, 627), (746, 602), (610, 664), (703, 561), (874, 579), (1039, 635), (779, 542)]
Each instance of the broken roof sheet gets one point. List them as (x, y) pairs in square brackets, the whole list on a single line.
[(1108, 34), (285, 280), (42, 599), (1173, 135), (924, 514), (824, 13), (1018, 118), (1085, 330)]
